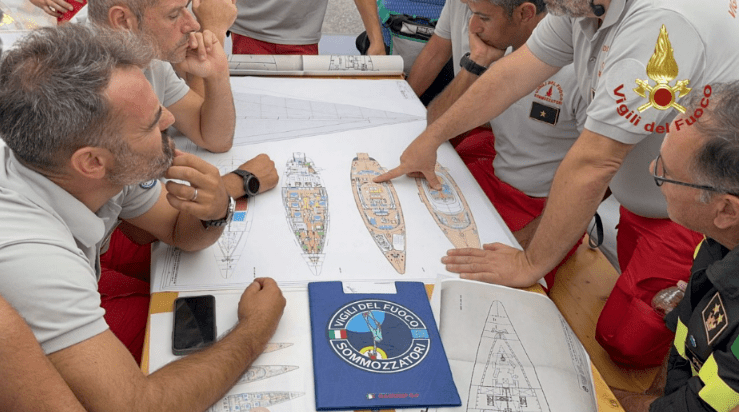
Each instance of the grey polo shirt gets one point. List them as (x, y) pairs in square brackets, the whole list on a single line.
[(609, 59), (296, 22), (535, 133), (168, 87), (49, 252)]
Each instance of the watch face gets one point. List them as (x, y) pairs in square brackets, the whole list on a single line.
[(253, 185)]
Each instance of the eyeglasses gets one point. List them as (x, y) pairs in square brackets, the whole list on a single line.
[(660, 178)]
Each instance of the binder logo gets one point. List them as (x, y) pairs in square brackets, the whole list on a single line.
[(378, 336)]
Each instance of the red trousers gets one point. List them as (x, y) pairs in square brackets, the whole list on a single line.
[(654, 254), (248, 45), (517, 209), (124, 298)]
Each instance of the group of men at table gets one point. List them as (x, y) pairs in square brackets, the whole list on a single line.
[(606, 93)]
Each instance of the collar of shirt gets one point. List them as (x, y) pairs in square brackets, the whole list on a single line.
[(86, 227)]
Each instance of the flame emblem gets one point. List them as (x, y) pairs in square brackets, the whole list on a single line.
[(662, 68)]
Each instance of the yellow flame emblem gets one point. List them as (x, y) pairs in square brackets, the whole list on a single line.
[(662, 68)]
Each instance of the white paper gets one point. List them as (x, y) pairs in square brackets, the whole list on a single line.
[(318, 65), (511, 350), (263, 242), (281, 379)]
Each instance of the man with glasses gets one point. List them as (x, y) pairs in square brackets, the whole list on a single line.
[(635, 62), (697, 171)]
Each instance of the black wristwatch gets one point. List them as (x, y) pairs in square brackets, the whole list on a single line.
[(472, 67), (251, 182), (226, 220)]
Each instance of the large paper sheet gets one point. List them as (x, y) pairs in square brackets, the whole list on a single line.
[(511, 350), (281, 379), (325, 220)]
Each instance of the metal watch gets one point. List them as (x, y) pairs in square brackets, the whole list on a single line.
[(472, 67), (251, 182), (226, 220)]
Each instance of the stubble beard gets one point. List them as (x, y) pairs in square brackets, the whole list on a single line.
[(132, 168)]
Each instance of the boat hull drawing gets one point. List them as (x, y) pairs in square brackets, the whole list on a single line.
[(306, 209), (379, 207), (503, 379), (232, 243), (257, 373), (450, 210), (251, 400)]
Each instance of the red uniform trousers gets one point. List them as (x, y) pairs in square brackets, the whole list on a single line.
[(517, 209), (248, 45), (654, 254), (124, 298)]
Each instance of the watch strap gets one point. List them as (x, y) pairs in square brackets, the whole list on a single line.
[(250, 182), (472, 67), (224, 221)]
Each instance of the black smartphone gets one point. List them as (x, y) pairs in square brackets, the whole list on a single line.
[(194, 324)]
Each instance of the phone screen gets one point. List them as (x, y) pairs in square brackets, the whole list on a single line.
[(194, 323)]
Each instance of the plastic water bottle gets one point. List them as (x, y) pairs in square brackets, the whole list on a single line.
[(667, 299)]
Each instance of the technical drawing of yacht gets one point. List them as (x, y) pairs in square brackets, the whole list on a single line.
[(380, 209), (306, 208), (271, 347), (248, 401), (257, 373), (449, 209), (500, 379), (231, 244)]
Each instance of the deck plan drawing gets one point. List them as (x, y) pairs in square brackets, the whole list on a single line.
[(255, 373), (306, 209), (248, 401), (309, 226), (230, 245), (279, 380), (503, 378), (450, 209), (379, 206), (511, 350)]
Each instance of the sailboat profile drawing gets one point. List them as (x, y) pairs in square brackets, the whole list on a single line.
[(449, 209), (380, 209), (306, 208), (249, 401)]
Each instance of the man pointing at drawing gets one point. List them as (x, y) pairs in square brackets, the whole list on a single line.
[(634, 61)]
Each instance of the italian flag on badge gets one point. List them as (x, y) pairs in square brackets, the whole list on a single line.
[(337, 334)]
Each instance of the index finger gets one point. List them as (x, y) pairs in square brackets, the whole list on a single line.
[(392, 174)]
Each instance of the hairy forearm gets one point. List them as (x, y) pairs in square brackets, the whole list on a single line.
[(429, 63), (190, 235), (196, 381), (371, 20), (507, 81), (218, 114), (577, 190), (451, 93)]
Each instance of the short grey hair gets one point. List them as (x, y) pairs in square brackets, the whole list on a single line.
[(716, 162), (98, 9), (52, 91), (510, 5)]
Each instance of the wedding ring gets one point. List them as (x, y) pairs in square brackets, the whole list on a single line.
[(53, 10), (194, 195)]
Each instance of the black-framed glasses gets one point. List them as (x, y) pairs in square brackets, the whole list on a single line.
[(660, 178)]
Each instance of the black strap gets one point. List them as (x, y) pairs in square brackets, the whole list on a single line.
[(594, 244)]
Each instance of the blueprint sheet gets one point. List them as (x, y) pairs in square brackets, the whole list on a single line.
[(511, 350), (280, 380), (313, 129)]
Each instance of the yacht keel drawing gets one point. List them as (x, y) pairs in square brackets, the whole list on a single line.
[(306, 209), (249, 401), (380, 209), (450, 209)]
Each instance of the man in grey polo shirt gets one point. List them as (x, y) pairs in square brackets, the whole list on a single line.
[(83, 129), (515, 163), (611, 43)]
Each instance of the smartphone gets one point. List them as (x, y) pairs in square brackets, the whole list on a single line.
[(194, 324)]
